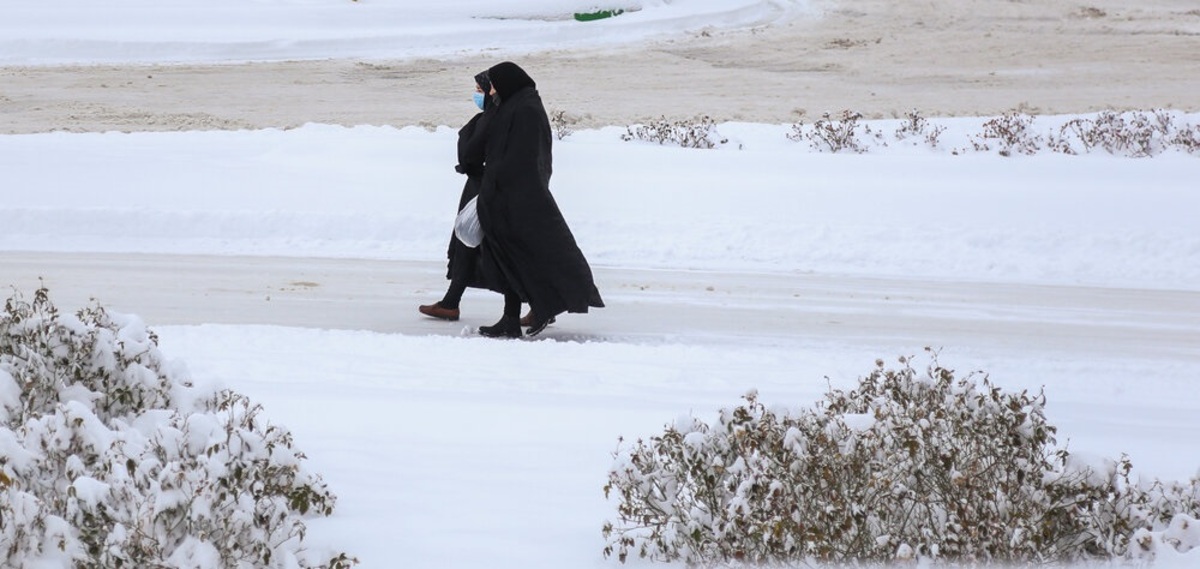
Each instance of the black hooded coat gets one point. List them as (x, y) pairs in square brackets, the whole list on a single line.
[(472, 142), (528, 249)]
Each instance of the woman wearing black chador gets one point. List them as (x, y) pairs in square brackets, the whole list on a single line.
[(472, 138), (528, 252)]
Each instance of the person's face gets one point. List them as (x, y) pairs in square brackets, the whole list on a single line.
[(478, 89), (493, 91)]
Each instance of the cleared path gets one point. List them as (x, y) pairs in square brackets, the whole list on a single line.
[(644, 306)]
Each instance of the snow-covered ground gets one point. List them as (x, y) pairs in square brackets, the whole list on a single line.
[(451, 450), (448, 450), (761, 202), (121, 31)]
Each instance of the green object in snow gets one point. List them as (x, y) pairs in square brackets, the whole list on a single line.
[(597, 15)]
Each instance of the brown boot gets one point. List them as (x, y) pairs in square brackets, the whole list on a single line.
[(435, 310)]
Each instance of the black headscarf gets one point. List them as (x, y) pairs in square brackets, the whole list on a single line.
[(485, 83), (508, 78)]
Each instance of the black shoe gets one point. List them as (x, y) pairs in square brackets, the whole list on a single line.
[(530, 317), (507, 327), (538, 325)]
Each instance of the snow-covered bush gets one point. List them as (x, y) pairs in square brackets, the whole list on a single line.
[(110, 457), (914, 125), (562, 124), (836, 134), (1134, 134), (700, 132), (907, 466), (1012, 132)]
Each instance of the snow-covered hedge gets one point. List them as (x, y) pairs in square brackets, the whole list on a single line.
[(700, 132), (1135, 134), (110, 457), (907, 466)]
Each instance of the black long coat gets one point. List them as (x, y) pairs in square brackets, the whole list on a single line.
[(472, 143), (528, 249)]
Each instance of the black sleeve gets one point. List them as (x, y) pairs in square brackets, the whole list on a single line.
[(472, 140)]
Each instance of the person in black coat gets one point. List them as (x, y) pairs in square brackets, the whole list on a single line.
[(528, 252), (472, 140)]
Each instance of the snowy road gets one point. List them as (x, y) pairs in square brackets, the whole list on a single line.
[(643, 306)]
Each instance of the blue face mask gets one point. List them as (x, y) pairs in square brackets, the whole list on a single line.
[(479, 100)]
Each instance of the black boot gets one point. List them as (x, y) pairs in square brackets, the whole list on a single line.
[(507, 327), (536, 325), (530, 319)]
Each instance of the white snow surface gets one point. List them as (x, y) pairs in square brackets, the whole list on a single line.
[(176, 31), (449, 450), (761, 202), (453, 451)]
